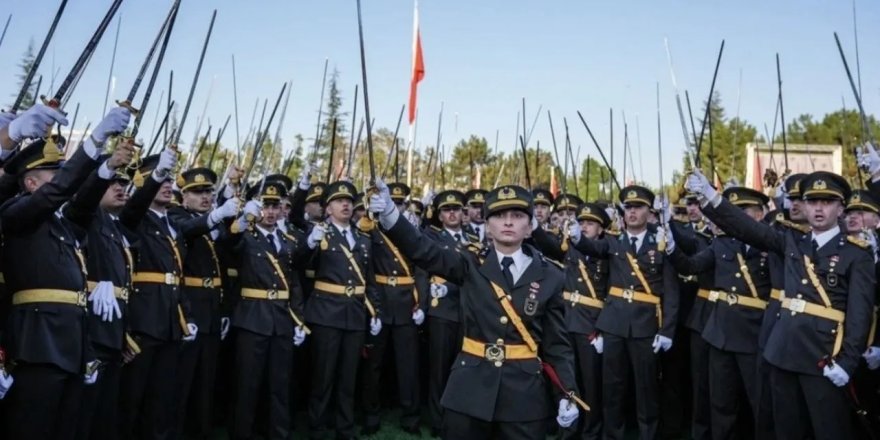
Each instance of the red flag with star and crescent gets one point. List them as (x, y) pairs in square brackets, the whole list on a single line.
[(418, 65)]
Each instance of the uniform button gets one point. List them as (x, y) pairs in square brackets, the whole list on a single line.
[(503, 320), (733, 289), (462, 362), (499, 341), (804, 282), (738, 275), (632, 274)]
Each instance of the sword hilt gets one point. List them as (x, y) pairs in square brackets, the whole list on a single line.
[(127, 104)]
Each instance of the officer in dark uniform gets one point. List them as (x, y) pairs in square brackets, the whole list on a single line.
[(688, 360), (509, 314), (45, 272), (416, 207), (739, 298), (157, 313), (566, 206), (586, 287), (109, 262), (359, 210), (862, 211), (342, 305), (476, 223), (823, 324), (543, 206), (402, 312), (640, 314), (203, 289), (444, 329), (268, 317)]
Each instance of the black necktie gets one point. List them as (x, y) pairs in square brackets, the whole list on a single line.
[(634, 244), (271, 238), (477, 230), (508, 275), (815, 248), (345, 236), (458, 238)]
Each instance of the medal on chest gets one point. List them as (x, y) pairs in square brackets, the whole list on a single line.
[(530, 306)]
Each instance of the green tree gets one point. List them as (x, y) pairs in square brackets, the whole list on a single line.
[(27, 61), (333, 111)]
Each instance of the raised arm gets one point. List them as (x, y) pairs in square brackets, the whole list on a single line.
[(737, 224)]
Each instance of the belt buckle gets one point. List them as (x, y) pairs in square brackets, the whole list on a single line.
[(495, 353), (349, 290), (208, 283), (272, 294), (81, 299), (797, 305), (169, 279), (628, 295), (575, 297), (392, 281), (713, 295), (732, 299)]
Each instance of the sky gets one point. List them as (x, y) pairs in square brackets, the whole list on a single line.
[(481, 58)]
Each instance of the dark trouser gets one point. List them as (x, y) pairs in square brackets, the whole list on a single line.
[(701, 415), (731, 374), (458, 426), (196, 370), (621, 357), (675, 387), (147, 390), (764, 427), (406, 360), (99, 402), (806, 406), (43, 403), (334, 367), (444, 343), (588, 365), (255, 356)]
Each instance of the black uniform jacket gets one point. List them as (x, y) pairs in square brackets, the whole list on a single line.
[(43, 250), (636, 319), (398, 301), (153, 307), (333, 266), (257, 269), (798, 341), (202, 262), (730, 326), (447, 307), (579, 318), (517, 390)]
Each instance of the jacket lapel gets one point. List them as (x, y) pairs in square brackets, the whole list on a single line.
[(491, 269), (533, 272)]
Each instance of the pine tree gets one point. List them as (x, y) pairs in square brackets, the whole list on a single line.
[(332, 110), (27, 61)]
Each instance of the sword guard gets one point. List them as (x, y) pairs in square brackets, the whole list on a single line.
[(127, 104)]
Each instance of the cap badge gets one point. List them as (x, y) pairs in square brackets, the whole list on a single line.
[(200, 178), (734, 197), (271, 190), (505, 194), (632, 195), (820, 185)]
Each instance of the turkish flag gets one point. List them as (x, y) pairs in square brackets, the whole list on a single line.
[(418, 65)]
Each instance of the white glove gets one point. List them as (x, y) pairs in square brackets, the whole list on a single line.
[(574, 232), (104, 302), (91, 378), (661, 343), (381, 203), (305, 176), (870, 237), (6, 118), (167, 161), (253, 208), (316, 236), (228, 191), (418, 316), (438, 290), (567, 414), (193, 332), (666, 233), (428, 198), (868, 159), (698, 184), (35, 122), (228, 209), (224, 327), (375, 326), (411, 217), (299, 336), (115, 122), (837, 375), (665, 211), (598, 343), (872, 357), (5, 383)]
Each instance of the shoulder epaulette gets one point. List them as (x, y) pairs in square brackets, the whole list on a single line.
[(435, 228), (858, 242), (288, 236), (796, 226), (613, 233), (550, 260)]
